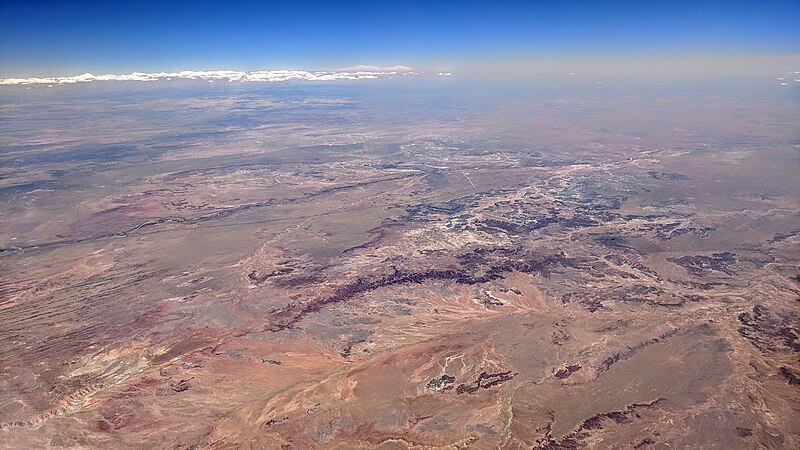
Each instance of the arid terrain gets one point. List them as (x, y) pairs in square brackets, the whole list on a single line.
[(400, 267)]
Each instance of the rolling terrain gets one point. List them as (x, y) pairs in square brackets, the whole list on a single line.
[(300, 268)]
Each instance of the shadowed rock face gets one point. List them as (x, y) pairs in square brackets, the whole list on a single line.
[(769, 332), (567, 371), (308, 268), (484, 381), (442, 383), (700, 265)]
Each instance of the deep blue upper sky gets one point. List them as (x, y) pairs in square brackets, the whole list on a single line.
[(67, 37)]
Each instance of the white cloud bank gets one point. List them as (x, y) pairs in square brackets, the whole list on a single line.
[(380, 69), (262, 76)]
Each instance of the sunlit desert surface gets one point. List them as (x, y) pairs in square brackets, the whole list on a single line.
[(337, 267)]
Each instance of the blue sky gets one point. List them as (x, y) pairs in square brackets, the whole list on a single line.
[(61, 38)]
